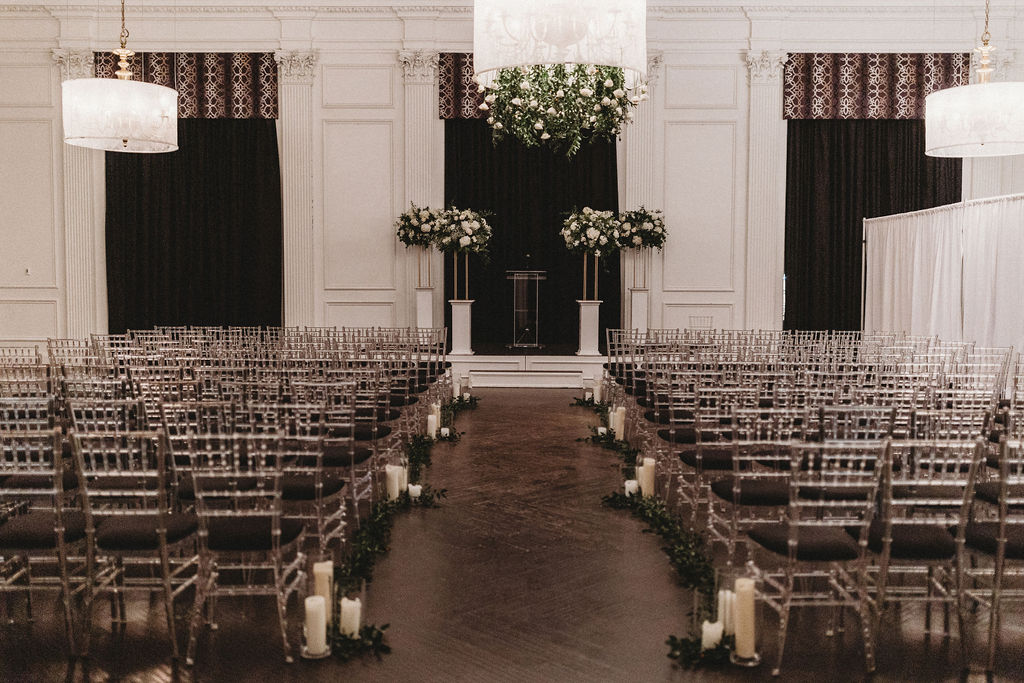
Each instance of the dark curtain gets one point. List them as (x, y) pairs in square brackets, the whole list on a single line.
[(194, 236), (529, 191), (838, 173)]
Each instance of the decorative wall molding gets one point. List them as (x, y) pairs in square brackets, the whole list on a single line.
[(655, 62), (765, 67), (74, 63), (419, 66), (296, 67)]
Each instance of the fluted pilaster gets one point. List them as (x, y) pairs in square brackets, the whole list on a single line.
[(766, 217), (297, 71), (82, 277)]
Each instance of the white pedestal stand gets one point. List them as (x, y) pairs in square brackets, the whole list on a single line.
[(462, 317), (589, 312), (425, 307)]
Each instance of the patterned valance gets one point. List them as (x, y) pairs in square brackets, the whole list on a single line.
[(459, 98), (868, 86), (210, 85)]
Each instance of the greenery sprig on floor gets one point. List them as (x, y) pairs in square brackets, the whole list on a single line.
[(685, 548)]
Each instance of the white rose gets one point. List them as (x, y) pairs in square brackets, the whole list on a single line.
[(465, 241), (643, 97), (609, 83), (483, 106), (619, 92), (597, 107), (559, 93), (545, 136), (414, 221), (592, 234), (425, 215), (604, 240), (464, 224), (425, 227), (475, 224), (629, 116), (539, 125), (586, 92), (552, 111), (587, 210), (490, 99), (618, 110), (576, 243), (605, 101), (593, 119), (591, 70), (490, 120), (615, 234), (498, 126), (533, 104), (525, 85), (637, 240), (634, 99), (627, 226), (517, 102)]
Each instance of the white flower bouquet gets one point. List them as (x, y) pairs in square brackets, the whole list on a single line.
[(420, 227), (466, 232), (642, 229), (591, 232)]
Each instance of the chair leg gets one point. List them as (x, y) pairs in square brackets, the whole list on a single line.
[(282, 617), (172, 632), (995, 611), (783, 626), (204, 580)]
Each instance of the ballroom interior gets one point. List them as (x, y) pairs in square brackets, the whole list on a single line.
[(511, 341)]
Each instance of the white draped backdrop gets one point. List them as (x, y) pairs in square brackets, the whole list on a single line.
[(955, 271)]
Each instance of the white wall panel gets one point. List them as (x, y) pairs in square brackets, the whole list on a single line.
[(360, 314), (25, 320), (367, 87), (27, 221), (26, 86), (701, 87), (359, 205), (698, 316), (700, 205)]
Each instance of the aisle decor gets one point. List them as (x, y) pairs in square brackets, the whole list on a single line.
[(465, 232), (640, 231), (592, 234), (421, 227), (561, 106), (686, 549)]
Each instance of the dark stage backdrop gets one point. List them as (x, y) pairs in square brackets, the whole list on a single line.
[(838, 173), (194, 237), (528, 191)]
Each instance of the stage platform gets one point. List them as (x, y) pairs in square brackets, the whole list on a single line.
[(528, 370)]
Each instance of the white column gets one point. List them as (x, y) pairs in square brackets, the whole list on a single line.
[(639, 146), (296, 73), (589, 314), (420, 72), (84, 277), (766, 204)]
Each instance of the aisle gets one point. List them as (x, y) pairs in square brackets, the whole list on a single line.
[(522, 575)]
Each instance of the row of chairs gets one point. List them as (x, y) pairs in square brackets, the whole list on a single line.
[(848, 467), (200, 459)]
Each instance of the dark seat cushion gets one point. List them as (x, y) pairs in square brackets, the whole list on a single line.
[(382, 414), (69, 480), (639, 387), (983, 536), (339, 455), (656, 418), (711, 458), (687, 435), (402, 400), (300, 486), (34, 530), (989, 492), (760, 492), (953, 493), (139, 533), (363, 432), (815, 544), (765, 402), (187, 491), (911, 541), (249, 534), (841, 493)]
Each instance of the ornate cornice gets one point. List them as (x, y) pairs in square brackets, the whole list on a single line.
[(765, 67), (419, 66), (296, 67), (75, 63)]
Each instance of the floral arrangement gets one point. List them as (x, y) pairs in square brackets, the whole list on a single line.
[(591, 232), (642, 229), (420, 227), (466, 232), (560, 104)]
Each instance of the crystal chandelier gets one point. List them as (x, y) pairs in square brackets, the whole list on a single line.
[(120, 115), (981, 120), (560, 72)]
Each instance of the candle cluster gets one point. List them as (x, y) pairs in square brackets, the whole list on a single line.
[(645, 476), (397, 480), (736, 617)]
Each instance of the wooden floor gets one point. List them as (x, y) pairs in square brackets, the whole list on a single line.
[(521, 576)]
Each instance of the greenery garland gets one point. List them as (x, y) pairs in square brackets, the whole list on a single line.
[(686, 549)]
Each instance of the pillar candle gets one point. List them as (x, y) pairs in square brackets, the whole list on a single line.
[(456, 388), (597, 391), (323, 583), (730, 613), (720, 607), (645, 475), (743, 613), (601, 431), (620, 413), (588, 395), (315, 626), (415, 491), (351, 614), (435, 409), (631, 487), (710, 635), (432, 426), (394, 480), (445, 432), (403, 479), (465, 396)]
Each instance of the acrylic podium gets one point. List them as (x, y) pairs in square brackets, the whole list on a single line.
[(525, 307)]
